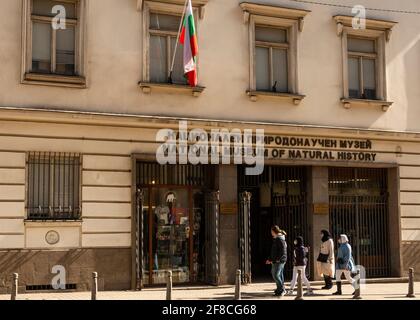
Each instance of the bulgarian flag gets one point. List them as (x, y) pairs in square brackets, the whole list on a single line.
[(188, 39)]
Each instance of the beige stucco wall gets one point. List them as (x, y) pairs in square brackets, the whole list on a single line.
[(106, 183), (115, 67)]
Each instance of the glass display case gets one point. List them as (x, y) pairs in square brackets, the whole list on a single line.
[(171, 246), (172, 225)]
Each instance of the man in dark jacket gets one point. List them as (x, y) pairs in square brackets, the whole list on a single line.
[(278, 258)]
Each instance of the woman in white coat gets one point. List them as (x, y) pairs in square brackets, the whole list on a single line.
[(326, 261)]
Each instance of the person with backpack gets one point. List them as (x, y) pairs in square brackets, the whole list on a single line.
[(326, 261), (278, 258), (300, 261), (345, 263)]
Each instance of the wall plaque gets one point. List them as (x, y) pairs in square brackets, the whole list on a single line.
[(228, 208), (52, 237), (321, 208)]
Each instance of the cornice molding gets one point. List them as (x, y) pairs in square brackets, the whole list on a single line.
[(346, 22), (273, 11), (200, 4)]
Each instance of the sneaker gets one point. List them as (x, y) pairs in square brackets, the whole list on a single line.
[(279, 294), (309, 293), (289, 292)]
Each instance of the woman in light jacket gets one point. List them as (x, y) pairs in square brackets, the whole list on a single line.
[(345, 263), (325, 261)]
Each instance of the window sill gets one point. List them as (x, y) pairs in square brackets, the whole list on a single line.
[(53, 223), (147, 88), (55, 80), (349, 102), (295, 98)]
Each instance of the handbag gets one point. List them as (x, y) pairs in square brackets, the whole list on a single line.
[(323, 257)]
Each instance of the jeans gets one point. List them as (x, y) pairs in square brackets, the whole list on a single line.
[(278, 276), (304, 278)]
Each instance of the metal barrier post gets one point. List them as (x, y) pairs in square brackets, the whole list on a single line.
[(411, 283), (94, 285), (169, 286), (15, 286), (238, 285)]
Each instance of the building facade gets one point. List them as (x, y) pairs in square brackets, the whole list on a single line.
[(81, 107)]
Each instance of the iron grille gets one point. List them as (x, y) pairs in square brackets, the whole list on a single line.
[(49, 287), (53, 191), (359, 208), (288, 209), (149, 173)]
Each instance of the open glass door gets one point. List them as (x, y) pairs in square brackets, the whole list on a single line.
[(245, 236), (212, 238)]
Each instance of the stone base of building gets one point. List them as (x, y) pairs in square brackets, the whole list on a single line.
[(35, 268), (411, 258)]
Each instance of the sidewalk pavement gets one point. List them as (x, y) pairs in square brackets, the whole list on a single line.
[(374, 291)]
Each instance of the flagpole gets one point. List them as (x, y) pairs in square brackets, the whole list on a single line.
[(177, 40)]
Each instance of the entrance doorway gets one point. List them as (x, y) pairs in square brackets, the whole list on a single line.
[(176, 214), (359, 208), (278, 197)]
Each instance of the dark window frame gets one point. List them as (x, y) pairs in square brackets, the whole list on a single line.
[(53, 186)]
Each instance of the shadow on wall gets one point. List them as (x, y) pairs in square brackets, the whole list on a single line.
[(12, 262), (412, 79), (35, 268), (411, 258)]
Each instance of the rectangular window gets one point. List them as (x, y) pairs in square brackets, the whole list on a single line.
[(362, 57), (53, 191), (53, 49), (271, 52), (364, 61), (163, 30), (53, 42), (161, 23)]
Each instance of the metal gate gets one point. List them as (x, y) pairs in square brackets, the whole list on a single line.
[(245, 236), (280, 192), (289, 207), (212, 238), (359, 208)]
